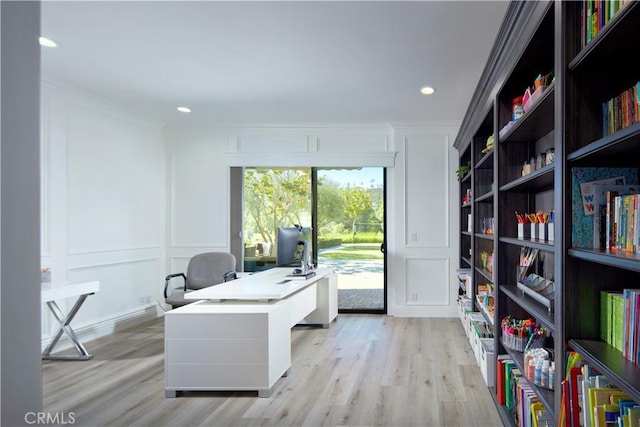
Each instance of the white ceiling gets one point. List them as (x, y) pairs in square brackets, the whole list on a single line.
[(273, 61)]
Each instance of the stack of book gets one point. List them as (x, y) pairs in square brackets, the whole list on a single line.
[(621, 111), (514, 392), (620, 321), (596, 14), (590, 400)]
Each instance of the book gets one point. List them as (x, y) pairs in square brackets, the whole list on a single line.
[(585, 419), (602, 396), (600, 203), (541, 416), (574, 395), (502, 362), (634, 416), (582, 205)]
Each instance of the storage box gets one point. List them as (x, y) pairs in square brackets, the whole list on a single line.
[(534, 98), (487, 361), (464, 307), (471, 319)]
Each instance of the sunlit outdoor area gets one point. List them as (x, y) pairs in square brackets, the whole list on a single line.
[(349, 221), (350, 232)]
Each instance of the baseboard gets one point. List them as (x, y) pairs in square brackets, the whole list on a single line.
[(107, 326)]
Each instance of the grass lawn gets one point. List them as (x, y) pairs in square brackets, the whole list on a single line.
[(354, 252)]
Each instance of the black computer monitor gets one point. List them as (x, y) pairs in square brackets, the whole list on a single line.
[(288, 238)]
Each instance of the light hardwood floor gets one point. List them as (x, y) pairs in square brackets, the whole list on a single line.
[(365, 370)]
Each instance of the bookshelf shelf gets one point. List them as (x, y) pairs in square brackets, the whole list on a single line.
[(619, 259), (541, 179), (612, 41), (529, 243), (466, 233), (610, 363), (531, 306), (611, 148), (485, 313), (466, 205), (546, 396), (466, 261), (484, 197), (486, 162), (485, 236), (486, 274), (534, 124)]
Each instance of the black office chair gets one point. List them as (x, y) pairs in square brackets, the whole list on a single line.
[(204, 270)]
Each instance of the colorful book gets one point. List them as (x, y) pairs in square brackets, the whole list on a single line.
[(602, 396), (600, 204), (583, 179)]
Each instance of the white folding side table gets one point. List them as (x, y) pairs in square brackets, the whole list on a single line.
[(49, 295)]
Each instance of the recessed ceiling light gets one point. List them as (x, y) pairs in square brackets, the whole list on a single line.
[(427, 90), (47, 42), (184, 109)]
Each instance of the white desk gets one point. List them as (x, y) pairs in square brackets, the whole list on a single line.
[(49, 295), (239, 338)]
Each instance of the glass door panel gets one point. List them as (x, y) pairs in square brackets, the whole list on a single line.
[(350, 235)]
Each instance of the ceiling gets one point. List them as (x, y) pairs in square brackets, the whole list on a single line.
[(298, 62)]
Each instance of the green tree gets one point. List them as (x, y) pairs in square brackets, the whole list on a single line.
[(330, 202), (274, 198), (357, 201)]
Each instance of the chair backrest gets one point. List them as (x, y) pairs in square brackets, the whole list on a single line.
[(208, 269)]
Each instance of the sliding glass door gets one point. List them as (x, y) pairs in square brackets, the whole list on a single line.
[(345, 211), (272, 198), (350, 221)]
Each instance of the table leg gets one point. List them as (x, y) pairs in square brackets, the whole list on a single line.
[(65, 327)]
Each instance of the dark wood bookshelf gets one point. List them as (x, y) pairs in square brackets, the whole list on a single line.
[(611, 149), (612, 40), (484, 197), (535, 123), (543, 245), (485, 236), (545, 395), (540, 179), (486, 161), (485, 274), (537, 310), (490, 320), (507, 419), (544, 38), (610, 362), (614, 258)]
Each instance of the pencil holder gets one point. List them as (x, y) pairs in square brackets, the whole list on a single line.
[(542, 231), (534, 231), (523, 231), (550, 232)]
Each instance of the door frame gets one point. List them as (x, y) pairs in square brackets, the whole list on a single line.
[(236, 239)]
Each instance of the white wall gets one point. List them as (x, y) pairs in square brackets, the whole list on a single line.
[(423, 215), (421, 207), (103, 208)]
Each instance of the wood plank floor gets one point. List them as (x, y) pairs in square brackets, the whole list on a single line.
[(365, 370)]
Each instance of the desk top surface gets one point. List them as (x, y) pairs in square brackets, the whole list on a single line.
[(265, 285), (51, 292)]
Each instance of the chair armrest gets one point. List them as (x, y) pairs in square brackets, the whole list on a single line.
[(168, 279), (230, 275)]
